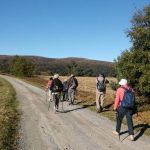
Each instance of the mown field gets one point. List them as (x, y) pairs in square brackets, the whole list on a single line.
[(86, 97), (9, 117)]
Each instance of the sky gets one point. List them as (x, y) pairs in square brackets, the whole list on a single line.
[(93, 29)]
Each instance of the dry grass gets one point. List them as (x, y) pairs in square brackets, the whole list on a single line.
[(86, 96)]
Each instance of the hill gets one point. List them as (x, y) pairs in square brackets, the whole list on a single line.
[(64, 66)]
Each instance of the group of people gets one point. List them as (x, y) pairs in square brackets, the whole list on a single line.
[(120, 104), (68, 89), (64, 91)]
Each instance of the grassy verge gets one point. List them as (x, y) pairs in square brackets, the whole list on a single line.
[(9, 117), (86, 98)]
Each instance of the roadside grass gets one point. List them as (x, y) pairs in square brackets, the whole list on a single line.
[(9, 117), (86, 97)]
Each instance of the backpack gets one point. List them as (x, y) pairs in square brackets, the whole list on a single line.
[(57, 85), (76, 82), (101, 86), (73, 83), (65, 86), (128, 100)]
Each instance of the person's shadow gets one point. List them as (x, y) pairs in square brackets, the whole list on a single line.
[(80, 107), (143, 128), (108, 107), (140, 129)]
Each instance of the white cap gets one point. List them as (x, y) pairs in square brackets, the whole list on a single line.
[(72, 75), (123, 82), (56, 76)]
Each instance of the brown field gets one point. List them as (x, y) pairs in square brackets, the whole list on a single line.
[(86, 96)]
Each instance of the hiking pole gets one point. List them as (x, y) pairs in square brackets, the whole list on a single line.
[(61, 99), (46, 95), (124, 138), (62, 106), (49, 105)]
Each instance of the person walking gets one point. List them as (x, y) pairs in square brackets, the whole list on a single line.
[(56, 88), (100, 92), (48, 88), (122, 111), (72, 86), (65, 90)]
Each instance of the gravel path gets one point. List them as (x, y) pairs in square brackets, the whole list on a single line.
[(75, 128)]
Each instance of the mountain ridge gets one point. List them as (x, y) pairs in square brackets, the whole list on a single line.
[(61, 65)]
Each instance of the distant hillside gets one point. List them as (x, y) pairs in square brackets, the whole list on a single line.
[(63, 66)]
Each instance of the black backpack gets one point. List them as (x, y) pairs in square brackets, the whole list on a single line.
[(101, 86), (57, 85), (76, 82), (128, 101)]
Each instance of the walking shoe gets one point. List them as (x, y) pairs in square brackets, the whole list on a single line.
[(115, 133), (101, 108), (131, 138), (70, 103), (56, 108), (98, 111)]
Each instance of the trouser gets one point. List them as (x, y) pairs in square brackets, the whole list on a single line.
[(121, 112), (100, 96), (64, 96), (56, 97), (71, 95), (50, 94)]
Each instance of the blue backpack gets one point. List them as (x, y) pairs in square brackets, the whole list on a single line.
[(128, 100)]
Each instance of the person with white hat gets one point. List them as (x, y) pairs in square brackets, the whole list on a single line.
[(56, 88), (121, 111)]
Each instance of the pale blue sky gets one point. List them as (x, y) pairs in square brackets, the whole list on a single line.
[(93, 29)]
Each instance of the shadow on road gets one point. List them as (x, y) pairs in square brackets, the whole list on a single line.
[(80, 107), (140, 129)]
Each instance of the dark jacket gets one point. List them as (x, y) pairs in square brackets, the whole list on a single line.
[(56, 85), (72, 83), (65, 86)]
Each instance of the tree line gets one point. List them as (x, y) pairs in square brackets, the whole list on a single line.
[(28, 66)]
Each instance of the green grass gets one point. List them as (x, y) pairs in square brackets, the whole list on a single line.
[(9, 117)]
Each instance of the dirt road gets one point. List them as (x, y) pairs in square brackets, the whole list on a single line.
[(76, 128)]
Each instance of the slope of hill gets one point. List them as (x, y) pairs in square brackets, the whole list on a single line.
[(64, 66)]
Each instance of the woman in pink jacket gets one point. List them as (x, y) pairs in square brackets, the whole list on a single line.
[(121, 111)]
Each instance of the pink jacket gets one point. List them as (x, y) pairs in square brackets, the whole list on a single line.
[(119, 96), (49, 83)]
